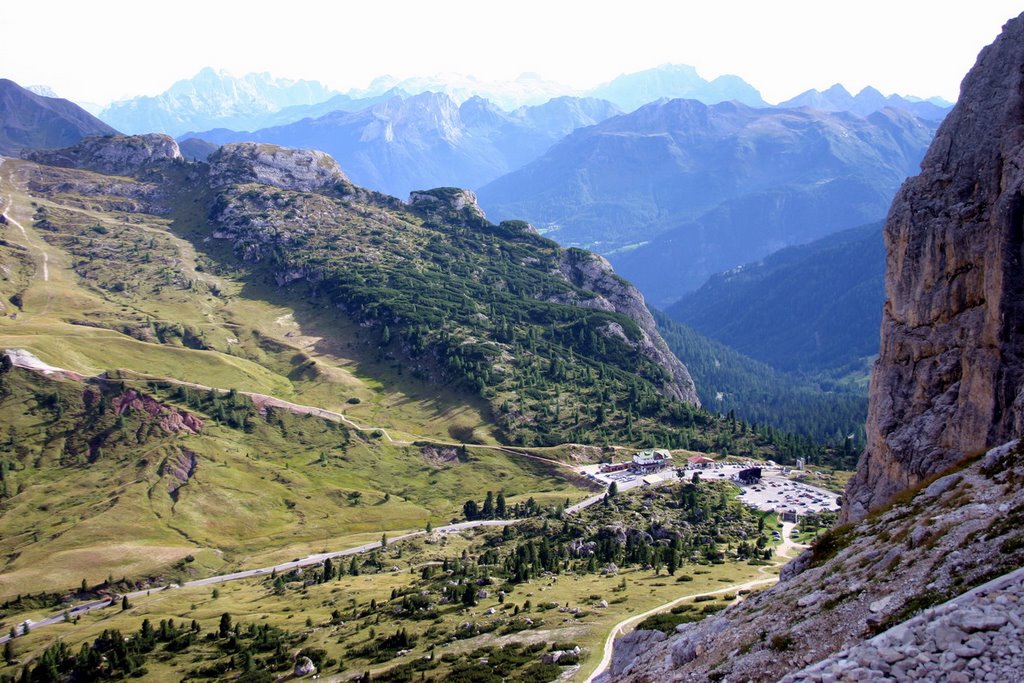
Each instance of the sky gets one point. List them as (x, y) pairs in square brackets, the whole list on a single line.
[(104, 50)]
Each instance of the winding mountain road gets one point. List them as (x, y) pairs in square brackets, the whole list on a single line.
[(783, 551)]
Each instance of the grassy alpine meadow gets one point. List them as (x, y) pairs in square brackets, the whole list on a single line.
[(468, 606), (125, 290), (94, 484)]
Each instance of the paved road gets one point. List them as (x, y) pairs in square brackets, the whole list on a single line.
[(309, 560)]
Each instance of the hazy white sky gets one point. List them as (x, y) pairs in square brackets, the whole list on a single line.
[(101, 50)]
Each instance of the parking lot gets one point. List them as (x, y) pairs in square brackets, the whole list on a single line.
[(776, 491)]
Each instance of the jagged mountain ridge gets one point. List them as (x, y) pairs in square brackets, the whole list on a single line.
[(528, 89), (867, 101), (429, 140), (214, 98), (710, 187), (29, 121)]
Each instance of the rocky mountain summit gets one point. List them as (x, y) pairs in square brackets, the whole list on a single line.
[(212, 98), (936, 510), (289, 169), (447, 200), (112, 154), (948, 378)]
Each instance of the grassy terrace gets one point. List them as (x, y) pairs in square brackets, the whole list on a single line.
[(404, 586)]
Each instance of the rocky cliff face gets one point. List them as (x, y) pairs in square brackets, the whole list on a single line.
[(591, 272), (946, 387), (949, 376), (123, 155), (447, 201), (289, 169)]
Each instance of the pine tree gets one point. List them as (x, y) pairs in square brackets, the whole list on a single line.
[(225, 625), (328, 570)]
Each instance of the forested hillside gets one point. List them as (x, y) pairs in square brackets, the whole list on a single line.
[(810, 309), (730, 383)]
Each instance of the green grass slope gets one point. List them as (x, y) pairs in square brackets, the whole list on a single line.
[(96, 481)]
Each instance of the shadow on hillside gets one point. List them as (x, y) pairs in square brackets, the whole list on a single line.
[(339, 336)]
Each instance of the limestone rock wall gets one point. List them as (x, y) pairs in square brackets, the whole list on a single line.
[(123, 155), (289, 169), (948, 379), (594, 273)]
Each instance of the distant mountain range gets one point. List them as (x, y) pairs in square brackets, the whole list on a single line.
[(213, 99), (528, 89), (429, 140), (679, 190), (673, 192), (673, 81), (867, 101), (28, 120), (814, 308)]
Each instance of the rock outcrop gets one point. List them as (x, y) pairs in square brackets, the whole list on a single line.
[(303, 170), (975, 636), (447, 201), (948, 379), (592, 272), (170, 418), (124, 155), (303, 667)]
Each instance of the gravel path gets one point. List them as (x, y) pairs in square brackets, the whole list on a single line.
[(784, 551), (977, 636)]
